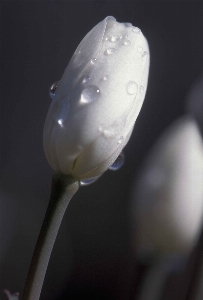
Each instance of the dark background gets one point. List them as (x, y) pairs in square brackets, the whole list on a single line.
[(92, 255)]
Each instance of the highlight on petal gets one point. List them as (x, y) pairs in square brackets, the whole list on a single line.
[(97, 100)]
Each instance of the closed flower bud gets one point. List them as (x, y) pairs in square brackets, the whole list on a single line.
[(97, 100)]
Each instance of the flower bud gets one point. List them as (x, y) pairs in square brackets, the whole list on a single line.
[(97, 100), (168, 198)]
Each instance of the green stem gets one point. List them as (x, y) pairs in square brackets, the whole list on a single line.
[(63, 189)]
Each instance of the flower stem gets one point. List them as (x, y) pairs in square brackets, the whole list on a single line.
[(63, 189)]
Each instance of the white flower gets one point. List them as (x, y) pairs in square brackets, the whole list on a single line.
[(97, 100), (168, 200)]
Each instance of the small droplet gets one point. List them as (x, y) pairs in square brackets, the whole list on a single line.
[(140, 49), (118, 163), (136, 30), (120, 140), (144, 55), (141, 89), (85, 79), (126, 43), (90, 94), (106, 77), (79, 52), (60, 122), (114, 38), (89, 181), (131, 87), (128, 24), (110, 51), (52, 89), (93, 61)]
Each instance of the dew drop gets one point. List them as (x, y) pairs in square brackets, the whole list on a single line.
[(126, 43), (131, 87), (110, 51), (140, 49), (90, 94), (85, 79), (106, 77), (136, 30), (128, 24), (52, 89), (141, 89), (89, 181), (120, 140), (118, 163), (114, 38), (93, 61), (144, 55)]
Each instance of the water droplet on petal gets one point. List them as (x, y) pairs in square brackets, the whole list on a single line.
[(144, 55), (52, 89), (85, 79), (136, 30), (118, 163), (140, 49), (90, 94), (131, 87), (141, 89), (93, 61), (89, 181), (114, 38), (128, 24), (106, 77), (126, 43), (120, 140), (110, 51)]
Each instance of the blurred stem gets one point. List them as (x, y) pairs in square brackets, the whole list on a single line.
[(154, 282), (63, 189)]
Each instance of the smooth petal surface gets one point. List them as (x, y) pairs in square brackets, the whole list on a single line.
[(97, 100), (168, 199)]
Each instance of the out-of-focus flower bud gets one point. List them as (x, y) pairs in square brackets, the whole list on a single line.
[(97, 100), (168, 198)]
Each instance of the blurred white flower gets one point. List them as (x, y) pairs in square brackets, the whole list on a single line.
[(168, 198), (97, 100)]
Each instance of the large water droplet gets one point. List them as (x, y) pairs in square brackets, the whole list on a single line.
[(136, 30), (89, 181), (90, 94), (131, 87), (126, 43), (52, 89), (118, 163), (110, 51)]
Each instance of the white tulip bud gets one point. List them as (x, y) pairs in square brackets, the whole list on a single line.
[(168, 199), (97, 100)]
